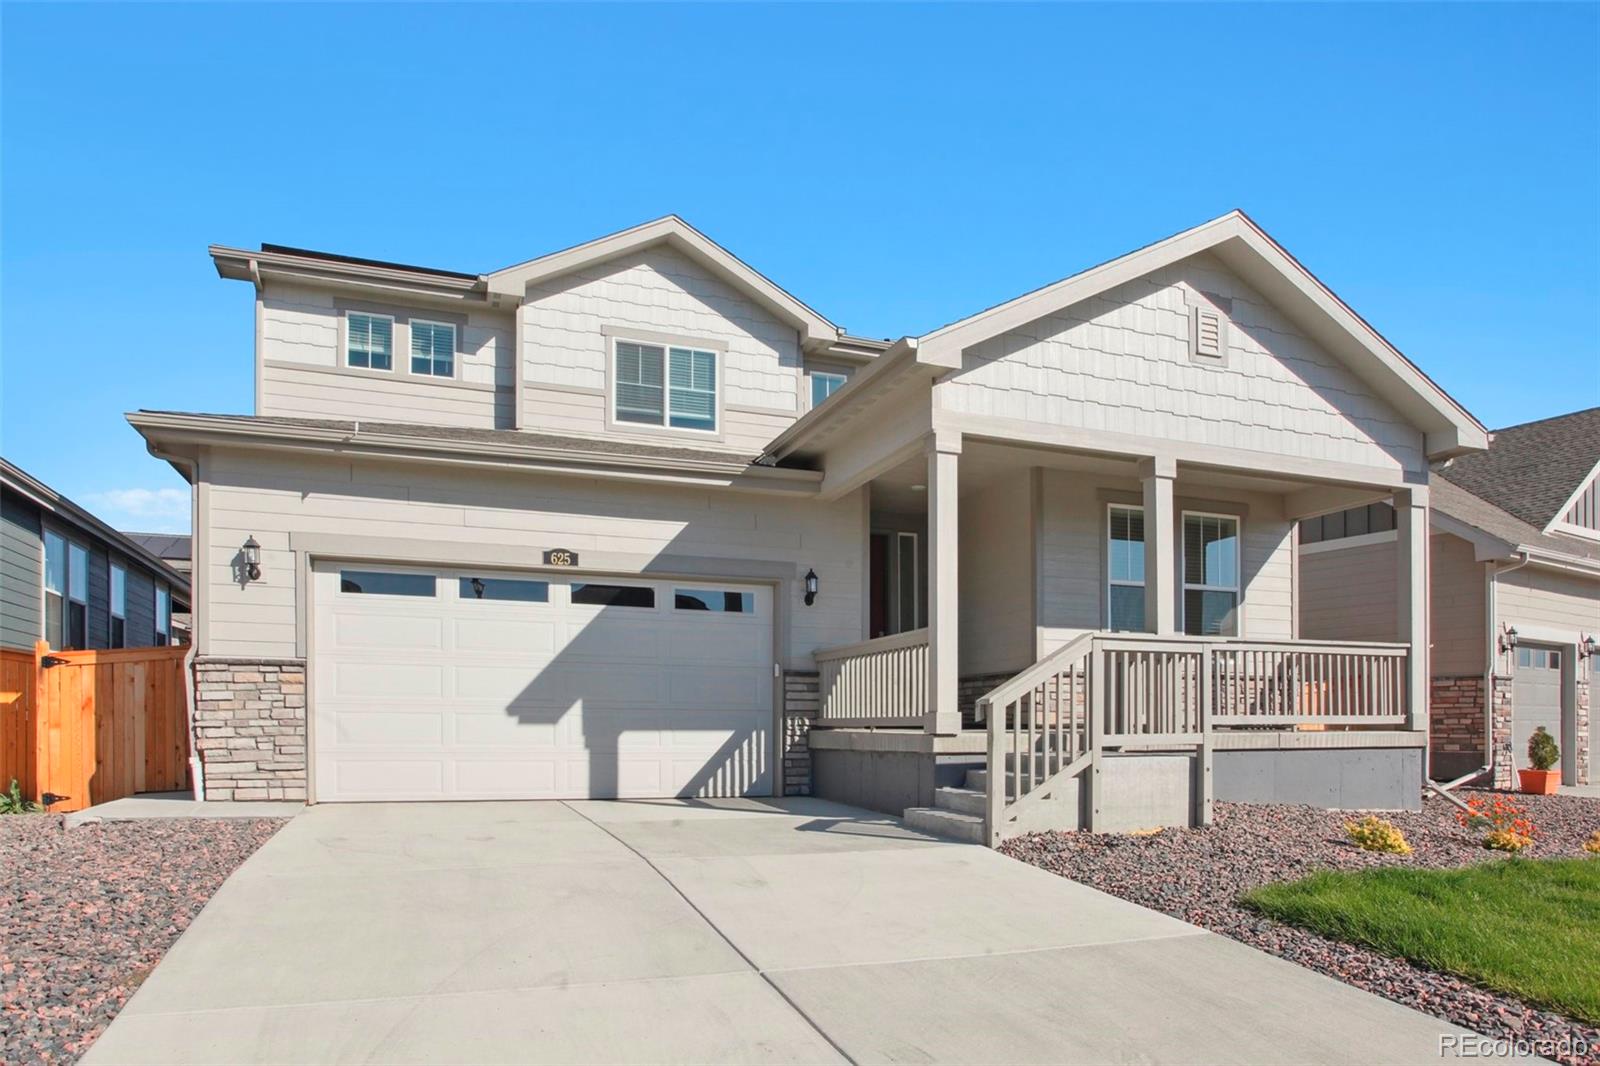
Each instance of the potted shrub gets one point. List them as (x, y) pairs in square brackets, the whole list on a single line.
[(1542, 779)]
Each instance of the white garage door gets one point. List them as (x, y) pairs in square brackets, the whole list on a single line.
[(455, 684), (1535, 698)]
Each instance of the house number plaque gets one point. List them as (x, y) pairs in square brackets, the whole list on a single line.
[(560, 557)]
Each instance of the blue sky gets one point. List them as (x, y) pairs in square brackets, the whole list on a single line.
[(894, 166)]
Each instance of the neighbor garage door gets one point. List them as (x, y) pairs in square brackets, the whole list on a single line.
[(1535, 698), (453, 684)]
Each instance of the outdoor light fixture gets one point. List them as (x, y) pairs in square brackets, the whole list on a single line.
[(252, 559), (477, 587), (1587, 646), (1508, 640), (811, 587)]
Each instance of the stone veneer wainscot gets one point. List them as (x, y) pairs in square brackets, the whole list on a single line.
[(250, 728)]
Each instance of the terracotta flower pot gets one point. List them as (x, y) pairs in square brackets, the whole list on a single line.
[(1539, 782)]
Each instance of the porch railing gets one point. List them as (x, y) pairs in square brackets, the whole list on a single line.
[(1104, 692), (881, 682)]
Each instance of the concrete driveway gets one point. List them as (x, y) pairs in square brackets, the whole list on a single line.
[(731, 931)]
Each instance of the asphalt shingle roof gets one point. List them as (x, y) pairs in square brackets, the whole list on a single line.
[(1530, 470)]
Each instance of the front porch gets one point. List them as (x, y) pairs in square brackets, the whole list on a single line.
[(1117, 633)]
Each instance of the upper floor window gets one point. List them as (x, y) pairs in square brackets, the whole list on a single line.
[(119, 607), (369, 341), (66, 592), (1125, 569), (433, 348), (1354, 522), (1210, 575), (824, 385), (657, 385)]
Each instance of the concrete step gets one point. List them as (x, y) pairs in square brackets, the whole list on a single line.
[(960, 800), (945, 824)]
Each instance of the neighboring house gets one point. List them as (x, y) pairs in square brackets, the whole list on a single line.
[(1515, 586), (68, 578), (607, 523), (172, 549)]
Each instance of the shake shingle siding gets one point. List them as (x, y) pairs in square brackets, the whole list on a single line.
[(21, 572)]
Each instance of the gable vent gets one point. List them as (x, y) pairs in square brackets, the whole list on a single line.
[(1210, 334)]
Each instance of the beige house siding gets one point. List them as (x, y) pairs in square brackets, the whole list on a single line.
[(1072, 533), (1121, 362), (303, 372), (995, 576), (1532, 598), (271, 497), (1350, 594), (661, 292)]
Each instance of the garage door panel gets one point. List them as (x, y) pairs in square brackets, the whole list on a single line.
[(479, 699)]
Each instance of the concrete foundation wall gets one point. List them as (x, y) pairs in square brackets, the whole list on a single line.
[(1336, 778), (886, 781)]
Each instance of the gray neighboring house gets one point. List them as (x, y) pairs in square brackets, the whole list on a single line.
[(630, 519), (174, 550), (69, 578), (1515, 591)]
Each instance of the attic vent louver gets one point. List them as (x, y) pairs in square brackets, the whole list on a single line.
[(1209, 334)]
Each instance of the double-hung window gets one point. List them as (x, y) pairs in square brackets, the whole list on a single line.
[(433, 348), (119, 606), (1210, 575), (66, 592), (163, 615), (369, 341), (1125, 569), (658, 385), (824, 385)]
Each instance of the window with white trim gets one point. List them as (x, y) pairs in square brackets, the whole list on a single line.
[(369, 341), (656, 385), (119, 606), (55, 589), (163, 615), (433, 348), (1125, 569), (824, 384), (1210, 575)]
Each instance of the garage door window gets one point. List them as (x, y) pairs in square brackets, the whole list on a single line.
[(505, 588), (714, 600), (614, 595), (383, 583), (1539, 658)]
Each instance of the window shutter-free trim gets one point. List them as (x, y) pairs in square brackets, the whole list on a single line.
[(664, 385), (433, 348), (369, 341)]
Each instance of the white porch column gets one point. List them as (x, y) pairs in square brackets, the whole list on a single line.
[(944, 712), (1160, 550), (1411, 526)]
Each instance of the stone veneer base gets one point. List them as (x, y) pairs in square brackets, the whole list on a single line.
[(250, 727)]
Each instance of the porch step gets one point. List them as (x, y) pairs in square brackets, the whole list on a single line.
[(944, 823), (960, 800)]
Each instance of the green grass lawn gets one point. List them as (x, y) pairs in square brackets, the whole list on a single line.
[(1525, 926)]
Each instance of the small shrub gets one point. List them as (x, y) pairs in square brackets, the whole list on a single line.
[(1375, 834), (12, 801), (1592, 845), (1505, 825), (1543, 754)]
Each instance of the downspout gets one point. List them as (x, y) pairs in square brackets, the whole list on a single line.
[(196, 769), (1491, 654)]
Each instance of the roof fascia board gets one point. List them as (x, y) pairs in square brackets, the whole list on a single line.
[(1449, 429), (903, 357), (1561, 512), (1549, 560), (51, 501), (1486, 546), (514, 280), (244, 265), (738, 474)]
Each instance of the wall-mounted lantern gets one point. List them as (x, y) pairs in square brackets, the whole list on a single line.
[(1508, 640), (811, 587), (1587, 646), (252, 559)]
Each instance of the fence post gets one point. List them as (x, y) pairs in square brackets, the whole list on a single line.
[(995, 778), (1206, 735), (41, 728), (1097, 711)]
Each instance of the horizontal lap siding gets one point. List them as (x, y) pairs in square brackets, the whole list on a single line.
[(141, 627), (663, 292), (272, 497), (1072, 563), (21, 573), (995, 574), (1121, 362), (1564, 602), (300, 326), (1457, 613)]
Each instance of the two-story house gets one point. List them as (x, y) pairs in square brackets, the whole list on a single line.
[(631, 520)]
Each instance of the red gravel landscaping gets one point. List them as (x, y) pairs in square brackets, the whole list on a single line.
[(1196, 875), (90, 911)]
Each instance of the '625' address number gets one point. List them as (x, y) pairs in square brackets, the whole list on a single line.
[(560, 557)]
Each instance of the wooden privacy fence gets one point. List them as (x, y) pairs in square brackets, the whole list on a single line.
[(93, 726)]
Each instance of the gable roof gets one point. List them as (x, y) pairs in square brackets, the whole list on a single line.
[(1248, 251), (679, 235), (1511, 533), (1534, 470)]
